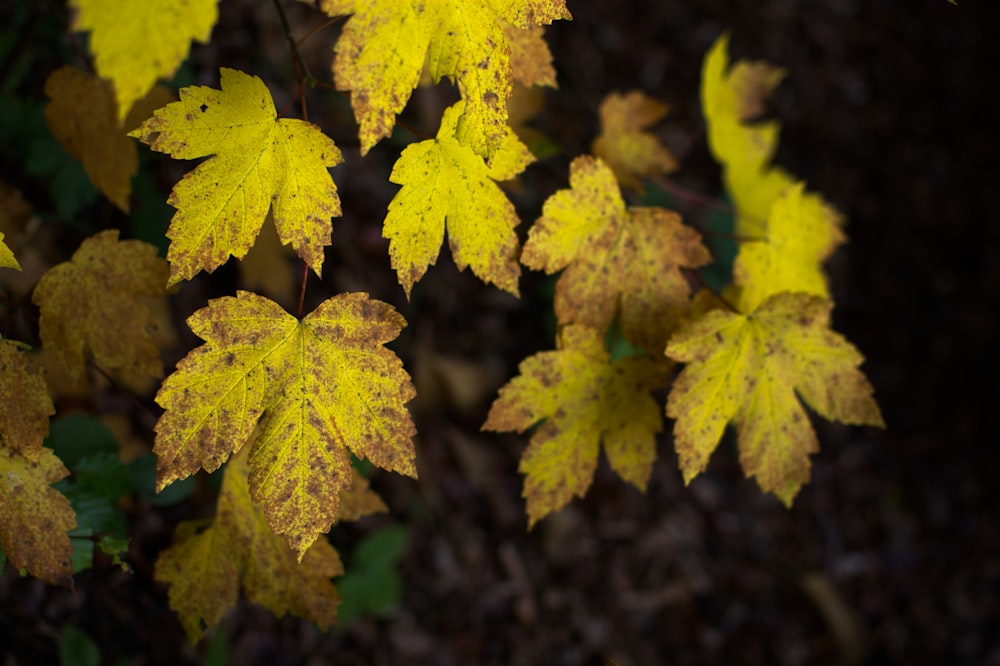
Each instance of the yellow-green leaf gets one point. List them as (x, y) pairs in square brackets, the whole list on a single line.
[(446, 183), (302, 394), (205, 569), (25, 405), (801, 232), (257, 161), (583, 399), (34, 517), (385, 44), (616, 260), (95, 302), (134, 44), (752, 370), (626, 145), (7, 259)]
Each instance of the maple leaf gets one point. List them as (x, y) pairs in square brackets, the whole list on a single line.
[(801, 232), (257, 162), (732, 97), (753, 370), (445, 181), (34, 517), (616, 260), (530, 58), (94, 301), (301, 393), (7, 259), (205, 569), (625, 145), (25, 405), (134, 44), (384, 45), (583, 399)]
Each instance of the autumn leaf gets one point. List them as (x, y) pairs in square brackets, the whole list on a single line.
[(616, 260), (801, 232), (753, 370), (732, 99), (134, 44), (445, 182), (624, 143), (7, 259), (206, 566), (34, 517), (384, 45), (25, 405), (302, 394), (95, 302), (530, 58), (257, 162), (582, 399)]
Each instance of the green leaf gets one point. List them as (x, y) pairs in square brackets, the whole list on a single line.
[(372, 583), (77, 648), (76, 437)]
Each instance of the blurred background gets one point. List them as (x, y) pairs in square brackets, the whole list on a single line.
[(890, 555)]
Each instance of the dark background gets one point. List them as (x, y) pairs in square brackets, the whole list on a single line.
[(890, 555)]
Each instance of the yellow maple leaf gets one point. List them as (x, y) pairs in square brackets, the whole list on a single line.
[(583, 399), (624, 143), (616, 260), (83, 117), (34, 517), (385, 44), (301, 393), (752, 370), (445, 181), (530, 58), (134, 44), (25, 405), (7, 258), (206, 566), (257, 162), (801, 232), (94, 301), (732, 97)]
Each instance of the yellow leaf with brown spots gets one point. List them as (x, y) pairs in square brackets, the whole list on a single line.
[(134, 43), (616, 260), (583, 399), (530, 58), (385, 43), (626, 145), (7, 259), (207, 565), (256, 162), (25, 405), (95, 302), (300, 394), (446, 184), (35, 518), (755, 370)]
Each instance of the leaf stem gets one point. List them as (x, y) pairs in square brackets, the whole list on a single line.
[(704, 285), (302, 291), (296, 56)]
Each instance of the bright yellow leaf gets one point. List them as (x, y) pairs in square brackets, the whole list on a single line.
[(301, 393), (731, 98), (34, 517), (205, 569), (95, 302), (385, 43), (583, 399), (134, 44), (624, 143), (752, 370), (801, 232), (446, 182), (25, 405), (616, 260), (7, 259), (257, 162), (84, 118)]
